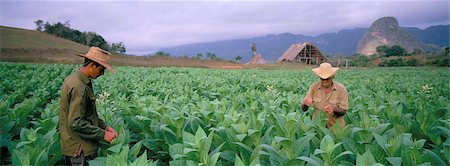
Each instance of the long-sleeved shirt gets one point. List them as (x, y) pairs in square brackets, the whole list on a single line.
[(338, 97), (79, 123)]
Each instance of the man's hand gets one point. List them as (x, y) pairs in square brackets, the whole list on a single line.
[(307, 102), (112, 130), (110, 134), (328, 109)]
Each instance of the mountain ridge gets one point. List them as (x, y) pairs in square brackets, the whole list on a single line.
[(271, 46)]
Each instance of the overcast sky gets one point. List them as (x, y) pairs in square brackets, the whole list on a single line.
[(146, 26)]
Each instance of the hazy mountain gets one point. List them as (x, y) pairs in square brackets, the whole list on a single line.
[(437, 35), (272, 46), (343, 42)]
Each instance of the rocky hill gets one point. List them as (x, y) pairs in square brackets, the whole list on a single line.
[(386, 31)]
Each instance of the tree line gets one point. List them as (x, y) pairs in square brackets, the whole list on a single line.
[(396, 55), (63, 30)]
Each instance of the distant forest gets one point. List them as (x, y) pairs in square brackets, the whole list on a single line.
[(63, 30)]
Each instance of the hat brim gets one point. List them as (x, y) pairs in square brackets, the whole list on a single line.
[(325, 75), (107, 66)]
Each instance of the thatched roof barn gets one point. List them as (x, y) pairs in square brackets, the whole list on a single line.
[(303, 52), (257, 59)]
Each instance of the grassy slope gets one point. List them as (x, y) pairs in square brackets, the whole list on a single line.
[(20, 45), (14, 38)]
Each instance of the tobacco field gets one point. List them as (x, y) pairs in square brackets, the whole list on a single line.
[(195, 116)]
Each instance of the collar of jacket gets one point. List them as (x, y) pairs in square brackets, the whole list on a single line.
[(83, 77), (333, 86)]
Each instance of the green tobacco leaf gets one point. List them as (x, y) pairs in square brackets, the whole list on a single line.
[(380, 140), (8, 126), (309, 160), (135, 149), (49, 135), (395, 161), (255, 153), (98, 161), (433, 157), (206, 145), (178, 163), (241, 137), (150, 144), (342, 154), (265, 139), (27, 135), (228, 155), (238, 161), (318, 151), (289, 126), (142, 160), (199, 136), (124, 152), (41, 158), (445, 130), (116, 148), (365, 160), (275, 156), (327, 144), (188, 137), (280, 139), (213, 159), (20, 144), (189, 150), (302, 145), (116, 160), (20, 158), (381, 128), (243, 146), (251, 132), (164, 128), (217, 149)]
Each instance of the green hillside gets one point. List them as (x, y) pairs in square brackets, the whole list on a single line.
[(13, 38), (21, 45)]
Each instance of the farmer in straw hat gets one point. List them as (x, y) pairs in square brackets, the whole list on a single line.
[(327, 95), (80, 127)]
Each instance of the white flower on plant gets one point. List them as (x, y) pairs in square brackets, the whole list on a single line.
[(271, 89), (426, 89), (103, 97)]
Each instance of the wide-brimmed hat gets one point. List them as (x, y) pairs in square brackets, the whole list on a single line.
[(100, 56), (325, 70)]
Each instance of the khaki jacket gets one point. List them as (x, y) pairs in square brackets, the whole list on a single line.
[(79, 123), (337, 98)]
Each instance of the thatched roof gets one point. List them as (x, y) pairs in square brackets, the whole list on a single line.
[(303, 52), (257, 59)]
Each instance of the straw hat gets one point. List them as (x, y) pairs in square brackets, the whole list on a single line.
[(100, 56), (325, 70)]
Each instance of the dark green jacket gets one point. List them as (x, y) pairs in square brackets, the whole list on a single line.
[(79, 123)]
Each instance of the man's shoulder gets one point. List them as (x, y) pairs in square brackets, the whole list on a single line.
[(340, 86), (315, 85), (73, 80)]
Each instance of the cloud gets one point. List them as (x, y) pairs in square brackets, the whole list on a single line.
[(150, 25)]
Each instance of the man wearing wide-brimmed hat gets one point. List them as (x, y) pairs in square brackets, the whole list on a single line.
[(327, 95), (80, 127)]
